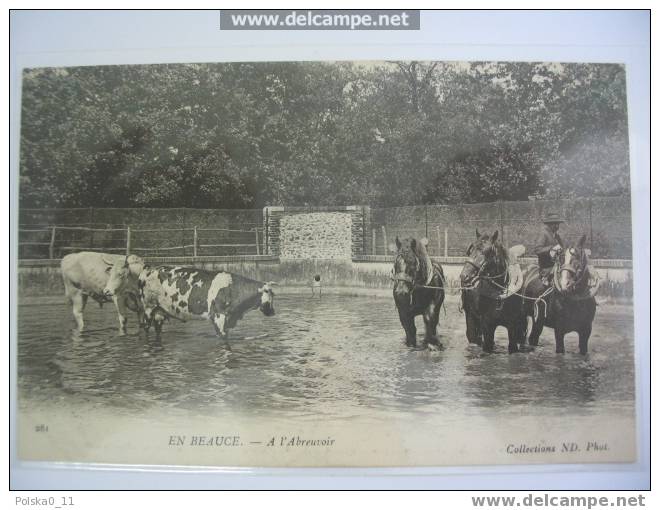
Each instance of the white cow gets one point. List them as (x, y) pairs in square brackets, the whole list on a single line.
[(86, 274)]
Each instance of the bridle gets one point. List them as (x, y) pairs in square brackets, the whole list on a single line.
[(480, 273), (402, 276), (579, 274)]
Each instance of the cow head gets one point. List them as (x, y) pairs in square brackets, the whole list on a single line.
[(121, 272), (267, 295)]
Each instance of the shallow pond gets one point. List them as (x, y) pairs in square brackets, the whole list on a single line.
[(335, 358)]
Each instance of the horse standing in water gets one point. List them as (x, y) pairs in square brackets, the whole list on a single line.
[(569, 304), (487, 299), (418, 289)]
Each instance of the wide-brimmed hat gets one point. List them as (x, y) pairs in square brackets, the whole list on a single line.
[(552, 217)]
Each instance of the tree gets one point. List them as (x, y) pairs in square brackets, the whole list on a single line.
[(246, 135)]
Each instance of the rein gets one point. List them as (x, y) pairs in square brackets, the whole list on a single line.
[(404, 277), (489, 278)]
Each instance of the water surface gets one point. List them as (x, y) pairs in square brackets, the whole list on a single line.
[(335, 358)]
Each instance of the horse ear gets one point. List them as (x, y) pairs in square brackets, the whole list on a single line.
[(582, 240), (398, 243), (478, 233), (494, 236), (424, 241), (469, 249)]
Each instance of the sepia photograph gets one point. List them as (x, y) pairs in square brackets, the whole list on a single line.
[(325, 264)]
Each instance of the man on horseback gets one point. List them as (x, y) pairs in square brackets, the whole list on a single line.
[(549, 246)]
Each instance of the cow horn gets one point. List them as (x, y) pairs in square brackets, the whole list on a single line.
[(271, 283), (107, 262)]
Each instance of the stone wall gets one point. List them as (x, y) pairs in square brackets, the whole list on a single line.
[(316, 235), (360, 218)]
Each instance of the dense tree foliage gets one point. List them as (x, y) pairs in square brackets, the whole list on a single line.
[(245, 135)]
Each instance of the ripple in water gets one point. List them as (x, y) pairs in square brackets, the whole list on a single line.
[(337, 357)]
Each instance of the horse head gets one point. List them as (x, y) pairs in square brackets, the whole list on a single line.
[(571, 269), (410, 264), (487, 258)]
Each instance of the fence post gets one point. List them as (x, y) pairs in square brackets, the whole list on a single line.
[(501, 221), (91, 227), (51, 246), (364, 233), (591, 228), (128, 240), (266, 232), (195, 242), (256, 238), (373, 241), (426, 221), (446, 244), (384, 240)]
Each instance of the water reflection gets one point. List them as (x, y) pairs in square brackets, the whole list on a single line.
[(337, 357)]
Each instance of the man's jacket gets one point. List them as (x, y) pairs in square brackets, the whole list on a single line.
[(546, 241)]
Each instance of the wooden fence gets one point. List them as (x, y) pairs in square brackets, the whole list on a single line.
[(56, 241)]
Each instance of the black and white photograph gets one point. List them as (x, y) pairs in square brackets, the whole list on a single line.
[(326, 264)]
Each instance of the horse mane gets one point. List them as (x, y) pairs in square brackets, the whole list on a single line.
[(425, 263), (501, 253), (419, 252)]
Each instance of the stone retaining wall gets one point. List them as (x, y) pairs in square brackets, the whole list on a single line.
[(359, 221), (317, 235)]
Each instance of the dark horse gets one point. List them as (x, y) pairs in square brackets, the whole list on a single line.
[(418, 289), (484, 282), (568, 304)]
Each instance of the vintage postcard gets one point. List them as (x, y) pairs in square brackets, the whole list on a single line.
[(331, 264)]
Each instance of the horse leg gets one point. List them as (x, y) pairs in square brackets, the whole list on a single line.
[(559, 341), (431, 318), (514, 337), (535, 333), (584, 335), (521, 330), (408, 323), (472, 327), (411, 332), (489, 338)]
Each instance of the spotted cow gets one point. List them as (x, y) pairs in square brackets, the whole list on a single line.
[(190, 293)]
